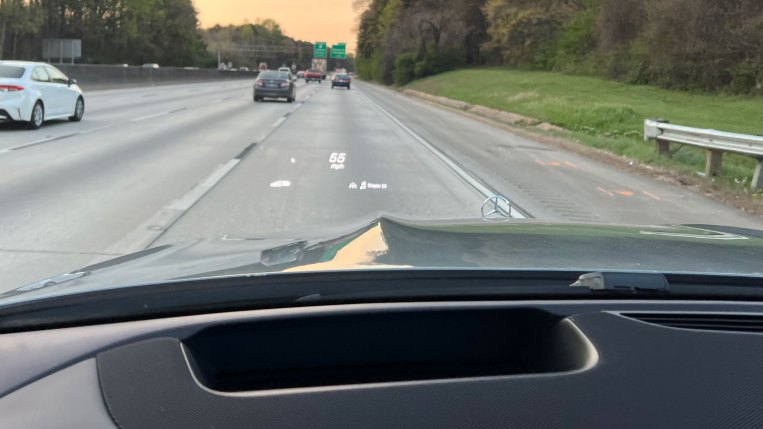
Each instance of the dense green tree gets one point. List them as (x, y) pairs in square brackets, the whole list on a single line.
[(438, 34), (112, 31)]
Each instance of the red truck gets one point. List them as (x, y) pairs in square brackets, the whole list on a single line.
[(313, 75)]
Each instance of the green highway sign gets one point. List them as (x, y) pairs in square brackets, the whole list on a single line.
[(319, 50), (338, 51)]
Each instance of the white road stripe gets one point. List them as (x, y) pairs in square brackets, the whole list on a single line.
[(198, 191), (21, 146), (514, 212), (155, 115), (153, 227), (278, 122)]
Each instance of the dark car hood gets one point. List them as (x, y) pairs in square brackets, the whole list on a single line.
[(392, 243)]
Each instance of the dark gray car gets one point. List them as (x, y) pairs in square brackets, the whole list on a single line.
[(275, 84)]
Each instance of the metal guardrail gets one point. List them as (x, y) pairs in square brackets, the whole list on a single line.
[(716, 143)]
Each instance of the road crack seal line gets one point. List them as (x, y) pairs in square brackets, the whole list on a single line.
[(246, 151)]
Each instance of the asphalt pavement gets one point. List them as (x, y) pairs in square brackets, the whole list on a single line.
[(150, 166)]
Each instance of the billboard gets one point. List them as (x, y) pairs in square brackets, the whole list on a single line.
[(61, 49)]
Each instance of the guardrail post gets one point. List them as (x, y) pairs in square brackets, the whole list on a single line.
[(652, 131), (713, 165), (757, 177)]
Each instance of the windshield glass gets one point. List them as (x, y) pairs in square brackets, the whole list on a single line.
[(480, 134), (274, 75), (11, 72)]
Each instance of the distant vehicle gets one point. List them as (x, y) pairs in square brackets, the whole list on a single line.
[(244, 69), (190, 68), (274, 84), (320, 64), (341, 80), (150, 66), (233, 69), (313, 75), (262, 66), (284, 69), (36, 92), (300, 74)]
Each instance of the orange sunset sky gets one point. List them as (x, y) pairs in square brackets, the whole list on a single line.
[(330, 21)]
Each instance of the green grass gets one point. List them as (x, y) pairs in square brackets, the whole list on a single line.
[(608, 115)]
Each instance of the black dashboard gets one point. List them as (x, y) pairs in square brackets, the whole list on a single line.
[(481, 364)]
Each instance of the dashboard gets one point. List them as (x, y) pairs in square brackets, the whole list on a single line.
[(482, 364)]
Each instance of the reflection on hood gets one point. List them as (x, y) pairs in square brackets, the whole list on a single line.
[(386, 243)]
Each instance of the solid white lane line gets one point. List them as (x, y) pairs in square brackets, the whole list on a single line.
[(513, 210), (278, 122), (153, 227), (198, 191)]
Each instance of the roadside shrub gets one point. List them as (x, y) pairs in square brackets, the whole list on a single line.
[(405, 69), (576, 43), (747, 77)]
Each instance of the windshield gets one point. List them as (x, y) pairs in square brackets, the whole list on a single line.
[(274, 75), (11, 72), (481, 134)]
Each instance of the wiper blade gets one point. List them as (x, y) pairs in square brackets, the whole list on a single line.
[(623, 282)]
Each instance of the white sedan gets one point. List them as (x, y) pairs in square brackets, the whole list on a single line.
[(36, 92)]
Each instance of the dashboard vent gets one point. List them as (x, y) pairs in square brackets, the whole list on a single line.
[(704, 321)]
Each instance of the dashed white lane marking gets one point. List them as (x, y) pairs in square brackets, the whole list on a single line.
[(155, 115), (188, 200), (153, 228)]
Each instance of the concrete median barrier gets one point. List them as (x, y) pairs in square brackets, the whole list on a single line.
[(110, 76)]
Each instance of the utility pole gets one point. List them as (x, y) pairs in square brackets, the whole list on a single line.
[(218, 59)]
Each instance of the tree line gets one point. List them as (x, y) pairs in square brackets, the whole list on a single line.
[(112, 31), (253, 43), (687, 44), (142, 31)]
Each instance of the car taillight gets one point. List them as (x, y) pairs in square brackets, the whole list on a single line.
[(284, 84), (11, 88), (259, 83)]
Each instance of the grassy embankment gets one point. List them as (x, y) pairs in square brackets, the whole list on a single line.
[(609, 115)]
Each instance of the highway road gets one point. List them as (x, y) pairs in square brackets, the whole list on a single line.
[(150, 166)]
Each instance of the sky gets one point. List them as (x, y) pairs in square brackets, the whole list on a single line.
[(330, 21)]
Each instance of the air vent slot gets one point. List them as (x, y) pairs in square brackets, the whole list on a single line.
[(704, 321)]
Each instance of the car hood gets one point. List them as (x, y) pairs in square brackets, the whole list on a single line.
[(389, 243)]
